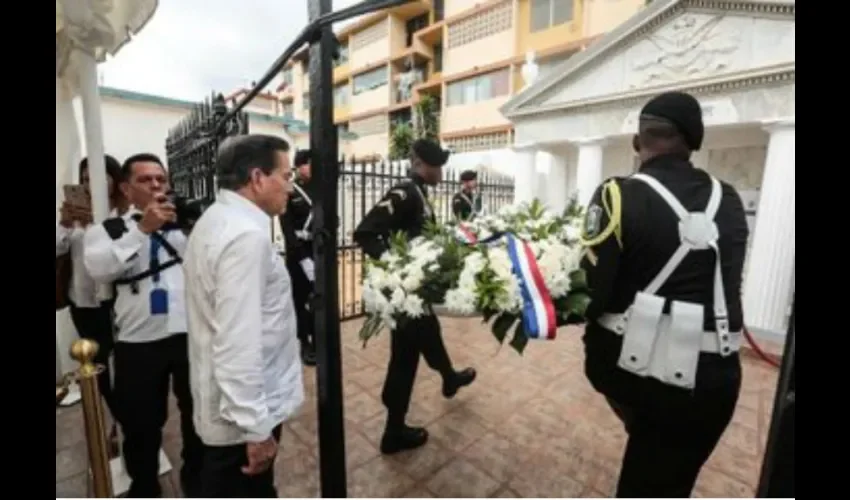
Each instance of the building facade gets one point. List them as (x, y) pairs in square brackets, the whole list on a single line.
[(466, 55), (574, 126)]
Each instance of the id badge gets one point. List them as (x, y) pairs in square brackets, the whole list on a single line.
[(159, 301)]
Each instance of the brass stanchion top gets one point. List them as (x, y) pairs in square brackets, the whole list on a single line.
[(83, 351)]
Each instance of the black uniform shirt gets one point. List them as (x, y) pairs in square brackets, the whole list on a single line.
[(404, 208), (297, 213), (462, 205), (650, 235)]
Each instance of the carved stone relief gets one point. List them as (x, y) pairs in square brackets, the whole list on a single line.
[(691, 46), (741, 167)]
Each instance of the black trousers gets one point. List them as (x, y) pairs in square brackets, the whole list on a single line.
[(302, 290), (95, 323), (672, 431), (142, 374), (408, 341), (222, 476)]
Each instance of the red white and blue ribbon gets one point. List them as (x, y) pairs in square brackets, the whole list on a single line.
[(538, 311), (465, 235)]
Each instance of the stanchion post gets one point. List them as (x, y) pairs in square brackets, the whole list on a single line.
[(84, 351)]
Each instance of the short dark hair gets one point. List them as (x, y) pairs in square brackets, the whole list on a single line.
[(238, 156), (303, 157), (127, 166), (113, 167), (661, 134)]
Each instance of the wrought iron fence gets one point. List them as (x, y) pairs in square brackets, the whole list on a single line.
[(192, 145), (361, 186)]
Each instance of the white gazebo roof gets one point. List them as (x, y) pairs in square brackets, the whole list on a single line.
[(703, 46)]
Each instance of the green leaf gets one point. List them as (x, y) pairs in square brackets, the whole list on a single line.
[(501, 326), (577, 303), (578, 279), (520, 340)]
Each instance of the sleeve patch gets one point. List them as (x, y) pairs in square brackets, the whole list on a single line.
[(593, 221)]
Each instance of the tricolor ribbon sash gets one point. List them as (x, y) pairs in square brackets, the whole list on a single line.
[(465, 235), (538, 311)]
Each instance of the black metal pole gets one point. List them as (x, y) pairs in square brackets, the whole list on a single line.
[(323, 143), (777, 472)]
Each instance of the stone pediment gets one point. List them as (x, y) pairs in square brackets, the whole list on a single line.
[(670, 44)]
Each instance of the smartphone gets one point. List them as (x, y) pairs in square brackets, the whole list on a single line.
[(77, 196)]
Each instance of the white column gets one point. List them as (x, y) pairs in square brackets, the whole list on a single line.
[(525, 173), (588, 167), (90, 97), (768, 286), (555, 182)]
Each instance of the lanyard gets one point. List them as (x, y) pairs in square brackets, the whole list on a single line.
[(154, 263)]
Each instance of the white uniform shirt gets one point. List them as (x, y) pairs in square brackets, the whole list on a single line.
[(108, 260), (243, 351)]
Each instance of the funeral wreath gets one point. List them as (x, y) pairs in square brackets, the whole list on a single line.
[(517, 269)]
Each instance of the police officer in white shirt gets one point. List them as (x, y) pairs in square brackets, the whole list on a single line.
[(243, 346), (140, 254), (91, 317)]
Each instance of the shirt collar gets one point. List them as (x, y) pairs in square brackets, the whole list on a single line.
[(238, 202)]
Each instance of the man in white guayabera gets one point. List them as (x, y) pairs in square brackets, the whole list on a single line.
[(243, 346)]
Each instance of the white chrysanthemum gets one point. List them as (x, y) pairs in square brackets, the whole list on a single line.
[(413, 306)]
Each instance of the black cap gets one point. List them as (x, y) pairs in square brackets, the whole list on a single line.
[(683, 111), (302, 157), (468, 175), (430, 152)]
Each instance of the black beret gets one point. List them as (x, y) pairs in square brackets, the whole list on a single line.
[(430, 152), (468, 175), (683, 111), (302, 157)]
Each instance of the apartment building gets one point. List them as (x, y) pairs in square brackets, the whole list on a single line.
[(466, 54)]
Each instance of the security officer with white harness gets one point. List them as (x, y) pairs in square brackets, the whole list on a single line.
[(664, 256), (296, 224)]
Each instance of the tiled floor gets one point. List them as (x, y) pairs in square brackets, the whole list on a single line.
[(530, 426)]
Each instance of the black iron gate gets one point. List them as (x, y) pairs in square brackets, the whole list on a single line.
[(361, 186), (192, 145)]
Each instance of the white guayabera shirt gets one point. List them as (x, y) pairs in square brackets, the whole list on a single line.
[(245, 368)]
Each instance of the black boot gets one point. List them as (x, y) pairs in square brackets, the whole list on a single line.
[(402, 438), (308, 353), (452, 383)]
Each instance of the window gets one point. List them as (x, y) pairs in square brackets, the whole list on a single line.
[(479, 88), (483, 24), (287, 76), (370, 80), (413, 25), (288, 110), (548, 13), (341, 96), (438, 58)]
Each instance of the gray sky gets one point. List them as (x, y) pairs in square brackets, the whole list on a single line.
[(191, 47)]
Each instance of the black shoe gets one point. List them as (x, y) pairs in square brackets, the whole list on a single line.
[(308, 354), (405, 438), (454, 382)]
